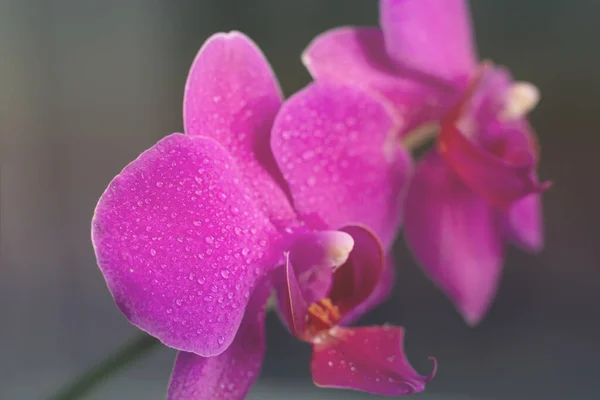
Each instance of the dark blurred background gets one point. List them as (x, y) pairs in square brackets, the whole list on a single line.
[(86, 86)]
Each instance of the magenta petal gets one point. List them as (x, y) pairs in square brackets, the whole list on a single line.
[(335, 146), (369, 359), (524, 223), (379, 294), (181, 244), (229, 375), (455, 236), (232, 96), (357, 56), (431, 36)]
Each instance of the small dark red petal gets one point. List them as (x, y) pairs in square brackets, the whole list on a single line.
[(499, 180), (369, 359), (354, 281)]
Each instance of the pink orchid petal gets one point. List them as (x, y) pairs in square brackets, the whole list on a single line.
[(336, 149), (232, 96), (369, 359), (501, 179), (357, 56), (379, 294), (455, 236), (431, 36), (524, 223), (358, 278), (229, 375), (181, 244)]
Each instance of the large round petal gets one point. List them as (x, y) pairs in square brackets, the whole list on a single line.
[(455, 236), (229, 375), (181, 243), (357, 56), (336, 148), (431, 36), (232, 96), (370, 359)]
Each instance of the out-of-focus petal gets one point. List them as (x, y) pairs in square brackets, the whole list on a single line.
[(337, 151), (379, 294), (500, 179), (181, 244), (429, 35), (455, 236), (357, 56), (358, 278), (229, 375), (232, 96), (524, 223), (369, 359)]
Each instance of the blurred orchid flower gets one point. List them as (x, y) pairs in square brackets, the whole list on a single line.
[(194, 235), (466, 201)]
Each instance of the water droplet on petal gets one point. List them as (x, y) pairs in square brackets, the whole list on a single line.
[(152, 252), (225, 274), (221, 340)]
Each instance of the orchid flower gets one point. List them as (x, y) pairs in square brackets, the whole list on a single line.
[(259, 197), (466, 201)]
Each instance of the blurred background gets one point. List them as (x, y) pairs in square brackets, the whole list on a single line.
[(86, 86)]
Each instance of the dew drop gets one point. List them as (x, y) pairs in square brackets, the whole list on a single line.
[(225, 274), (179, 302), (209, 239), (152, 252), (201, 280), (159, 184), (221, 340)]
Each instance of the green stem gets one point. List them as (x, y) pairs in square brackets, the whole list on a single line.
[(127, 354)]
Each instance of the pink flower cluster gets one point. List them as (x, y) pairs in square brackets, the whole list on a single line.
[(301, 200)]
